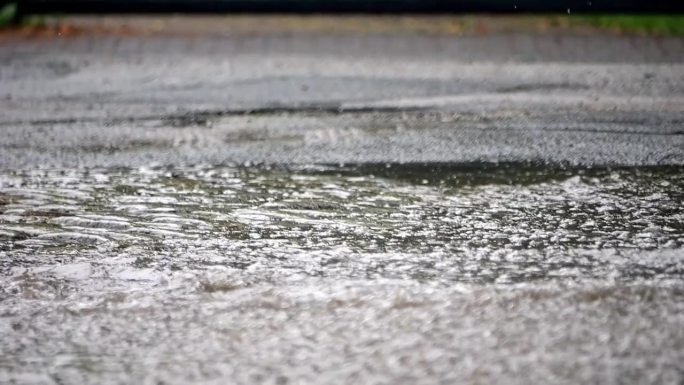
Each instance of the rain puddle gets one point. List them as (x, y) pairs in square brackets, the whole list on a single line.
[(441, 223), (380, 273)]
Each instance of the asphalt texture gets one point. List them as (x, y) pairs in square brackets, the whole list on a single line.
[(383, 200), (203, 91)]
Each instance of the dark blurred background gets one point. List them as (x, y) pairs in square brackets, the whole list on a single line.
[(348, 6)]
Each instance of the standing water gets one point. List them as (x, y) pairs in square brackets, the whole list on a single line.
[(491, 272)]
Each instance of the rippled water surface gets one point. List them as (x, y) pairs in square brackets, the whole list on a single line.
[(170, 275), (443, 223)]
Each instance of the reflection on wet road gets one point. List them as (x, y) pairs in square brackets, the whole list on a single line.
[(439, 223), (104, 242)]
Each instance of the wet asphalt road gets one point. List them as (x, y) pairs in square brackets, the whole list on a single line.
[(181, 95), (213, 204)]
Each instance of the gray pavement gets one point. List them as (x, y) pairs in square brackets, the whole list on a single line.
[(569, 97), (309, 201)]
